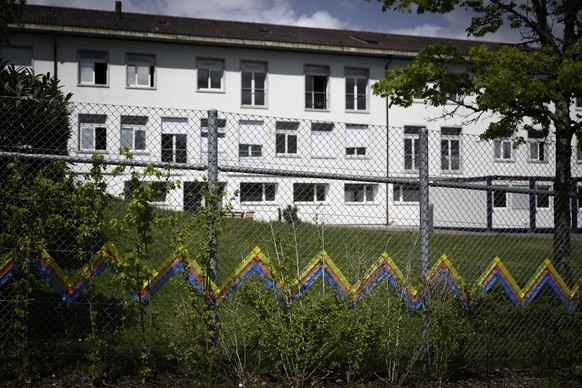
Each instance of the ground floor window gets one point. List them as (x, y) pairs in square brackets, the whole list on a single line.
[(156, 191), (409, 192), (309, 192), (257, 192), (359, 192)]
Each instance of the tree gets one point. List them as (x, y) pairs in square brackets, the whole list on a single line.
[(528, 86)]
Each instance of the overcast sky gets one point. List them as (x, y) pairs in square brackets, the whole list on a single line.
[(339, 14)]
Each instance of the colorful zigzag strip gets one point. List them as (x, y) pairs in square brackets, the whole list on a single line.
[(321, 266)]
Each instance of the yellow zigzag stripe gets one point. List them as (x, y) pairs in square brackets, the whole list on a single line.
[(320, 266)]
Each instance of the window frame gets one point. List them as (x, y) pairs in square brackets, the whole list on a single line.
[(253, 68), (503, 144), (450, 135), (399, 193), (368, 189), (355, 74), (537, 145), (356, 145), (93, 58), (318, 189), (499, 198), (210, 65), (286, 130), (263, 191), (6, 56), (96, 123), (543, 197), (182, 151), (252, 148), (140, 61), (322, 140), (128, 191), (412, 137), (137, 125), (314, 75)]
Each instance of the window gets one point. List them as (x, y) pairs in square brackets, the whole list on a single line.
[(543, 200), (210, 74), (520, 201), (309, 192), (408, 192), (316, 87), (356, 89), (17, 56), (93, 67), (354, 192), (158, 190), (578, 102), (174, 140), (411, 148), (133, 132), (92, 132), (537, 146), (222, 156), (254, 76), (356, 139), (251, 139), (286, 137), (140, 70), (257, 192), (502, 147), (499, 198), (322, 140), (450, 149)]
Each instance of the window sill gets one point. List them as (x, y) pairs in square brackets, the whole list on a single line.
[(92, 86), (137, 87), (372, 203), (262, 203), (400, 203), (451, 172), (262, 107), (358, 157), (310, 203), (358, 111), (91, 152), (323, 157), (317, 110), (288, 156), (537, 161), (216, 91)]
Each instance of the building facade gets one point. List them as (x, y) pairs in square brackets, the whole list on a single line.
[(287, 98)]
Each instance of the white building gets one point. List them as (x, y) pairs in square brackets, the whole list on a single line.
[(288, 98)]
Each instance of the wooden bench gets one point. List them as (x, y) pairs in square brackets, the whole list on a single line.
[(245, 215)]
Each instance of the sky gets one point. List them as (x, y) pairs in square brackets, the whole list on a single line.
[(359, 15)]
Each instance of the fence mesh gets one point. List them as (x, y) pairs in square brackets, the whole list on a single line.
[(336, 204)]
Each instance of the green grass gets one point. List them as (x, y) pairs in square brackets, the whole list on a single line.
[(354, 249)]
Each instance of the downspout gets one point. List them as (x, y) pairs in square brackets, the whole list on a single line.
[(55, 53), (387, 151)]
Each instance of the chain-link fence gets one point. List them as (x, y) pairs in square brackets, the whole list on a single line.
[(395, 213)]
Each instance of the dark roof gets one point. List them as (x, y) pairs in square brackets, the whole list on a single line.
[(86, 21)]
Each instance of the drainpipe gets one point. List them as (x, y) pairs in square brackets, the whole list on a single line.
[(55, 53)]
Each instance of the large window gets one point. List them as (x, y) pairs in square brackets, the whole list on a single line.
[(254, 75), (499, 198), (17, 56), (409, 192), (141, 70), (356, 139), (502, 148), (450, 149), (257, 192), (356, 89), (356, 192), (286, 137), (322, 140), (92, 132), (174, 140), (210, 74), (251, 139), (93, 67), (309, 192), (543, 200), (537, 146), (411, 148), (316, 78), (133, 132)]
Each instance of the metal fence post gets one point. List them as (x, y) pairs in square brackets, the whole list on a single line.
[(212, 204), (425, 216)]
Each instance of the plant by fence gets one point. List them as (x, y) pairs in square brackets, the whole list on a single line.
[(231, 245)]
